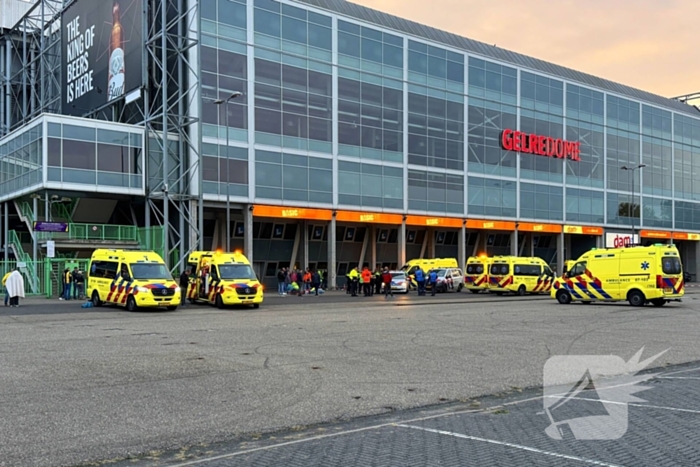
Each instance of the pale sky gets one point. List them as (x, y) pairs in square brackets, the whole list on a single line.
[(647, 44)]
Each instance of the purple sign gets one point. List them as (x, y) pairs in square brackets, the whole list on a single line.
[(51, 227)]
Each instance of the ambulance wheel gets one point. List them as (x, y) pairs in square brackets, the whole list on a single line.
[(563, 297), (521, 290), (658, 302), (636, 298), (219, 302), (131, 304), (460, 287), (256, 306), (474, 291), (96, 299)]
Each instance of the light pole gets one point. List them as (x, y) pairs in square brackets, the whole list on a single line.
[(631, 207), (228, 197)]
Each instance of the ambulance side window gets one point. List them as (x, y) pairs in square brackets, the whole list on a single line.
[(548, 271), (214, 272), (103, 269), (577, 269)]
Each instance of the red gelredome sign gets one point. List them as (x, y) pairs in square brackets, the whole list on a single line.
[(547, 146)]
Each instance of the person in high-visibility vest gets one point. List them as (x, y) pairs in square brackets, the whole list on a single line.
[(4, 281), (354, 276)]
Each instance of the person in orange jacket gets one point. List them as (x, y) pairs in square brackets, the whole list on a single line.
[(366, 280)]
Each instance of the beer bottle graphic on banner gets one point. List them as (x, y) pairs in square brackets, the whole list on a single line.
[(115, 86)]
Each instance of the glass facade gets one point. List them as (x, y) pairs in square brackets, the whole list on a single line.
[(334, 111)]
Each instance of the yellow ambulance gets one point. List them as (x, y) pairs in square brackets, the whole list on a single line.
[(226, 279), (637, 274), (476, 273), (426, 265), (520, 275), (133, 279)]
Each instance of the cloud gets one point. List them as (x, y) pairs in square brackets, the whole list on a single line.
[(648, 44)]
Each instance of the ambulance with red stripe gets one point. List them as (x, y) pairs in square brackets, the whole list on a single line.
[(476, 274), (133, 279), (520, 275), (637, 274), (224, 279)]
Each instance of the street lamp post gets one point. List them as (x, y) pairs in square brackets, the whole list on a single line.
[(228, 196), (632, 169)]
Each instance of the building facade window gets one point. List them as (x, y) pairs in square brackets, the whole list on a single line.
[(370, 185), (435, 67), (541, 202), (589, 171), (435, 129), (687, 215), (293, 177), (622, 210), (294, 104), (370, 120), (225, 172), (623, 151), (370, 50), (585, 206), (657, 212), (494, 198), (435, 192), (486, 122), (492, 81)]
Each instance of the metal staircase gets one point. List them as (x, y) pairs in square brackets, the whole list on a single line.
[(22, 257)]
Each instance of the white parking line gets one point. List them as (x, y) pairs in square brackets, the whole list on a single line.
[(348, 432), (678, 377), (648, 406), (681, 371), (510, 445)]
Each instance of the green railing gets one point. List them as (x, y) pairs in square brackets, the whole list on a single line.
[(22, 257), (63, 211), (30, 281), (27, 211), (155, 235), (103, 232)]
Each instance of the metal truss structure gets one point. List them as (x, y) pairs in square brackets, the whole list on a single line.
[(31, 66), (690, 99), (168, 106)]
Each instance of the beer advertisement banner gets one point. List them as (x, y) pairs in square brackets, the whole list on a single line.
[(102, 47)]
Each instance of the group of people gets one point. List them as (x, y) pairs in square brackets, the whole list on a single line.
[(73, 283), (423, 278), (297, 282), (369, 282)]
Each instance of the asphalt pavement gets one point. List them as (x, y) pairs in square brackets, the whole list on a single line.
[(95, 385)]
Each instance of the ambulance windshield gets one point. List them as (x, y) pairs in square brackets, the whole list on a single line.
[(237, 271), (145, 271)]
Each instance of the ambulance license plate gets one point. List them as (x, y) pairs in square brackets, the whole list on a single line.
[(668, 290), (247, 302)]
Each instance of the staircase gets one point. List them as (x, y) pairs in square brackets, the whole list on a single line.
[(22, 257)]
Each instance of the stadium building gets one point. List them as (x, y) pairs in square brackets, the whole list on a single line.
[(320, 133)]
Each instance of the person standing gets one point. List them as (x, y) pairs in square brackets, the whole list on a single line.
[(354, 276), (432, 277), (280, 282), (315, 281), (366, 280), (66, 280), (4, 286), (300, 281), (73, 276), (378, 281), (420, 280), (15, 287), (184, 286), (79, 285), (324, 279), (386, 279)]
